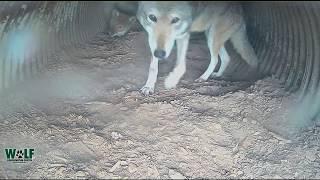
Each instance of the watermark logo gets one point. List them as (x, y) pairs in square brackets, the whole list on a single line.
[(19, 155)]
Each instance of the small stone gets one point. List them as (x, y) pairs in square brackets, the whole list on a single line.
[(152, 172), (59, 171), (6, 122), (273, 140), (235, 110), (117, 165), (103, 175), (281, 139), (239, 173), (123, 163), (235, 150), (124, 108), (183, 150), (233, 175), (277, 177), (311, 156), (80, 174), (254, 122), (175, 175), (57, 165), (132, 168), (245, 120), (281, 143), (129, 142), (38, 118), (256, 133), (116, 135)]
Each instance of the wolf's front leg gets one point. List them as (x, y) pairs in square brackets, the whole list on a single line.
[(174, 77), (225, 59), (148, 88), (212, 44)]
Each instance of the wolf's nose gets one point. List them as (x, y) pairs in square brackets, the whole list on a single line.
[(159, 53)]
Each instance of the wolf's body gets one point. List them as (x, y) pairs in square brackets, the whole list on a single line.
[(168, 22)]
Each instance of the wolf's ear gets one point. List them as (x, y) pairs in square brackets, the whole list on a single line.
[(132, 19), (115, 13)]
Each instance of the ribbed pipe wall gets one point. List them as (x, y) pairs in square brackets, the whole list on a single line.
[(30, 32), (285, 36)]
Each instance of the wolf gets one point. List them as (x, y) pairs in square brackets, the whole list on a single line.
[(170, 22), (121, 17), (121, 23)]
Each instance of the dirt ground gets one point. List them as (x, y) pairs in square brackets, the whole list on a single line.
[(85, 118)]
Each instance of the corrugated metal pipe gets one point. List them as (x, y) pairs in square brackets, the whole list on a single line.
[(285, 36)]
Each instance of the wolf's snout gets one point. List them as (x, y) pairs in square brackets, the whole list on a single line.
[(159, 53)]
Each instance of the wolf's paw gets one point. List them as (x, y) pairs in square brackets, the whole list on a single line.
[(19, 154), (146, 90), (119, 34), (170, 82), (200, 79)]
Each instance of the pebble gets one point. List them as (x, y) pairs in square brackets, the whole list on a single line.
[(273, 140), (183, 150), (116, 135), (245, 120), (277, 177), (175, 175), (233, 175), (80, 174), (239, 173), (152, 172), (311, 156), (117, 165), (123, 163), (124, 108), (103, 175), (132, 168), (235, 150)]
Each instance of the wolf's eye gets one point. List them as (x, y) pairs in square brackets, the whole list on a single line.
[(152, 18), (175, 20)]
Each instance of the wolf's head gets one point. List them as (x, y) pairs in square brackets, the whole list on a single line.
[(164, 21)]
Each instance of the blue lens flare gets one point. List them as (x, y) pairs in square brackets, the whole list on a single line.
[(20, 45)]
